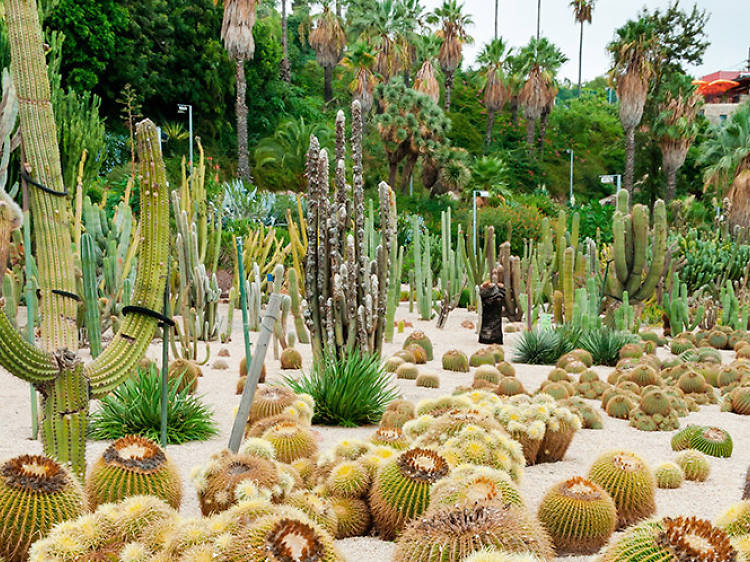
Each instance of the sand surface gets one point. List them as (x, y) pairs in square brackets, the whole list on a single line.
[(707, 499)]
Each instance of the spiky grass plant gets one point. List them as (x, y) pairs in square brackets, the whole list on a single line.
[(670, 539), (579, 516), (134, 408), (133, 466), (542, 347), (36, 493), (605, 344), (458, 531), (349, 391)]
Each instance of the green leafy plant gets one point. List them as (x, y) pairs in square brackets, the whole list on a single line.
[(544, 347), (348, 391), (134, 408), (604, 344)]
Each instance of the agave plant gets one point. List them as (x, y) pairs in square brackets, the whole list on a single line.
[(542, 347), (604, 344)]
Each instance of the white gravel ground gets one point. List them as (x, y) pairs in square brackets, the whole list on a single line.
[(705, 499)]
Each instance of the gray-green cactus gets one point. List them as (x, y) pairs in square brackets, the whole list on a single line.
[(422, 270), (677, 310)]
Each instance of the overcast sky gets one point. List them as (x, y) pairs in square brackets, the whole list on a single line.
[(726, 29)]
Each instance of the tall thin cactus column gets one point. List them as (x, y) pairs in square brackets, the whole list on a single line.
[(346, 291)]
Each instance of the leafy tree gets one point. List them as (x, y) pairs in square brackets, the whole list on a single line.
[(383, 25), (328, 39), (496, 93), (675, 127), (411, 126), (453, 23), (359, 60), (633, 52), (727, 155), (490, 173), (425, 81), (582, 10), (280, 159)]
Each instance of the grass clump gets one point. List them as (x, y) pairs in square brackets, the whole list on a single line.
[(134, 408), (544, 347), (604, 344), (348, 391)]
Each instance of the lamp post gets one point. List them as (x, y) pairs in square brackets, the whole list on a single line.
[(185, 108), (570, 150), (612, 178), (474, 194)]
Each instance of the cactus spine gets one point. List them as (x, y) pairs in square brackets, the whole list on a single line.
[(347, 292)]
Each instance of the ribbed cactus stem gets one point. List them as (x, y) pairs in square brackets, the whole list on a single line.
[(296, 307), (568, 283), (90, 295)]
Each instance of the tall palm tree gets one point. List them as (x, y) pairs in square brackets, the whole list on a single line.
[(380, 23), (543, 60), (496, 92), (328, 39), (285, 70), (359, 60), (453, 23), (633, 51), (582, 13), (675, 127), (727, 154), (237, 34), (425, 81), (515, 75)]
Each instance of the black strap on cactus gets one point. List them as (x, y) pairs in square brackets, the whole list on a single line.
[(148, 312), (41, 186), (66, 294)]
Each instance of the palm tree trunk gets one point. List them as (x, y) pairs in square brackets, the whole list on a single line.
[(671, 184), (243, 161), (448, 88), (514, 110), (497, 9), (407, 172), (580, 60), (530, 133), (490, 124), (327, 83), (538, 19), (629, 159), (285, 70), (392, 168), (543, 131)]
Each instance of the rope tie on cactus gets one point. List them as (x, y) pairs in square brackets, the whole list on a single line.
[(67, 294), (148, 312), (28, 179)]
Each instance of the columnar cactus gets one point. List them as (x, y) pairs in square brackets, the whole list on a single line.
[(346, 291), (631, 234), (422, 270), (56, 370)]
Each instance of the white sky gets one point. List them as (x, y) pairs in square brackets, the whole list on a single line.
[(726, 29)]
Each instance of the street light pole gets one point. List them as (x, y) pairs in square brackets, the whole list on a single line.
[(182, 108), (570, 150)]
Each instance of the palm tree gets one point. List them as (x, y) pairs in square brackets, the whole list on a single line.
[(453, 33), (328, 39), (285, 71), (515, 76), (237, 34), (381, 24), (582, 12), (675, 127), (360, 60), (727, 154), (633, 53), (537, 97), (496, 92), (427, 48)]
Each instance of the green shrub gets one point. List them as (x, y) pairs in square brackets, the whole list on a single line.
[(350, 392), (134, 408), (524, 222), (595, 217), (543, 347), (604, 344)]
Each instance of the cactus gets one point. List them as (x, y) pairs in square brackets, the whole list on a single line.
[(487, 448), (579, 516), (346, 291), (317, 508), (455, 360), (57, 371), (654, 413), (421, 339), (632, 241), (732, 314), (668, 475), (408, 371), (422, 271), (270, 401), (391, 437), (401, 489), (452, 270), (394, 291), (291, 358), (133, 466), (488, 373), (36, 494), (348, 479), (676, 310), (671, 539), (471, 483), (291, 440), (428, 380), (712, 441), (624, 317), (187, 372), (625, 477), (420, 356), (90, 295), (353, 516), (456, 531), (296, 307)]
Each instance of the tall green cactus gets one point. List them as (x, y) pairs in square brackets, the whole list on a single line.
[(732, 313), (394, 289), (55, 370), (296, 306), (625, 315), (346, 290), (632, 239), (452, 266), (422, 270), (90, 295), (676, 309)]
